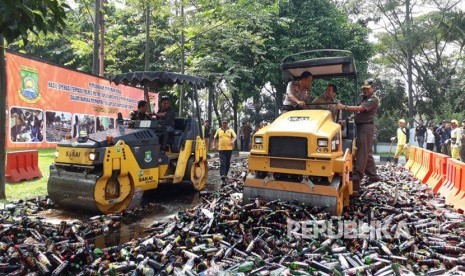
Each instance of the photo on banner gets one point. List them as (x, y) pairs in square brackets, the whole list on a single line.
[(57, 126), (26, 125), (105, 123), (83, 122)]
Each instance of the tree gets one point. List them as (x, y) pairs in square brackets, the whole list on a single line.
[(308, 25), (17, 20), (435, 40), (393, 106)]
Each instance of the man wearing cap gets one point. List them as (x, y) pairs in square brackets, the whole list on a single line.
[(455, 136), (365, 122), (329, 96), (226, 138), (403, 136)]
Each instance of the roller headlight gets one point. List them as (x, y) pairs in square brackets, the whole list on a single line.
[(93, 156), (258, 140), (322, 143), (57, 154)]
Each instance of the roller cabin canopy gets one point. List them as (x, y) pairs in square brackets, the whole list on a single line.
[(342, 65)]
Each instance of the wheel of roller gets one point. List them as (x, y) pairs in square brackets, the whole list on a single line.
[(112, 189), (196, 174)]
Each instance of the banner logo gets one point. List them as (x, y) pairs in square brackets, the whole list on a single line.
[(29, 85)]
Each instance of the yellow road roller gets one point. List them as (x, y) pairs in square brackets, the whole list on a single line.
[(306, 155), (101, 172)]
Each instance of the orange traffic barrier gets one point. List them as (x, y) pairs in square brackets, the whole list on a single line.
[(458, 191), (417, 162), (411, 159), (448, 184), (426, 166), (22, 165), (439, 171)]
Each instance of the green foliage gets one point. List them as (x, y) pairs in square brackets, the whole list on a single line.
[(393, 106), (309, 25), (387, 124), (238, 45), (436, 40), (17, 18)]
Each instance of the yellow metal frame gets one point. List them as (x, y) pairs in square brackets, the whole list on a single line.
[(130, 176), (313, 125)]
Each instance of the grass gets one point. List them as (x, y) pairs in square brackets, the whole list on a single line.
[(33, 188)]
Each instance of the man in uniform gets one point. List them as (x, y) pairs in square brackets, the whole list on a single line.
[(455, 136), (165, 116), (298, 93), (141, 112), (403, 137), (443, 136), (329, 96), (364, 120), (226, 138), (420, 132)]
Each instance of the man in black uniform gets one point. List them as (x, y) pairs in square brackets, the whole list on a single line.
[(364, 120), (141, 112), (166, 116)]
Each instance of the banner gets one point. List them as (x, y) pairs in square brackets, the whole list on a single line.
[(46, 102)]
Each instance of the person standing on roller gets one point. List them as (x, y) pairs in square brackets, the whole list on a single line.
[(365, 123)]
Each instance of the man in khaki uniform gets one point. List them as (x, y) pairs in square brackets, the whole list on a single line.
[(226, 138), (365, 122), (329, 96), (403, 137)]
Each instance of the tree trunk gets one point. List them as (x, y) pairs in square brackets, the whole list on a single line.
[(257, 106), (215, 108), (235, 100), (280, 93), (95, 64), (147, 37), (3, 109)]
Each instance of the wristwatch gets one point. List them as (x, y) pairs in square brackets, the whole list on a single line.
[(346, 108)]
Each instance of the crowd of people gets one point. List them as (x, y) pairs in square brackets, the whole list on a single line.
[(26, 125), (447, 138)]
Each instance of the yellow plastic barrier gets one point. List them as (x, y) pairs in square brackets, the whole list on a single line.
[(411, 159), (417, 162)]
